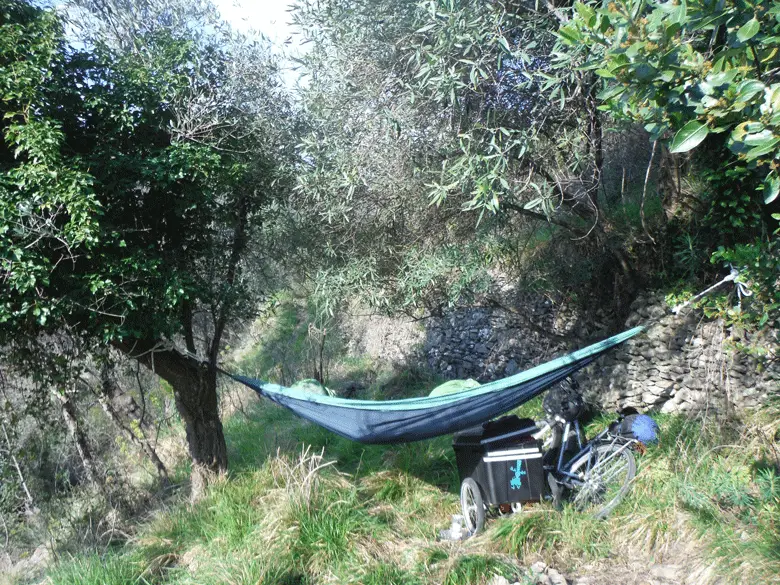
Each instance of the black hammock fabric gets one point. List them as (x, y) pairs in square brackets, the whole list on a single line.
[(414, 419)]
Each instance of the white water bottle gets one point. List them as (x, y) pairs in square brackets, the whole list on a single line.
[(456, 529)]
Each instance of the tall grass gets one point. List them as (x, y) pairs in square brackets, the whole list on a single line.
[(708, 492), (106, 569), (305, 506), (295, 519)]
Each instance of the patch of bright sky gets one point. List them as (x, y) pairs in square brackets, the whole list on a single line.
[(272, 19)]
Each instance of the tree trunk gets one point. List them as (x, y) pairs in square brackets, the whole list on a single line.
[(596, 141), (195, 392), (669, 179), (194, 381), (76, 433), (198, 406)]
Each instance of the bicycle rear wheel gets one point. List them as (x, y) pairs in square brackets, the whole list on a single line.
[(607, 473)]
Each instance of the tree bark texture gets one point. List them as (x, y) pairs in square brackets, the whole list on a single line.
[(195, 392), (596, 145), (205, 436)]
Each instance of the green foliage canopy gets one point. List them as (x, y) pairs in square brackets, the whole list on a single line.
[(691, 69), (456, 103), (47, 203), (119, 206)]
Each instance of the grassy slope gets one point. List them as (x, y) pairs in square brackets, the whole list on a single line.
[(303, 505), (371, 514)]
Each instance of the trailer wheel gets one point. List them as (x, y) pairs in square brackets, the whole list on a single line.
[(473, 506)]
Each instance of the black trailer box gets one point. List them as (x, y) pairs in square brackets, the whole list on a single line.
[(507, 469)]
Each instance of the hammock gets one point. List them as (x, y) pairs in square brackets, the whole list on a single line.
[(414, 419)]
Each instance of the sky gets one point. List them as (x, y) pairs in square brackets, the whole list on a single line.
[(271, 17)]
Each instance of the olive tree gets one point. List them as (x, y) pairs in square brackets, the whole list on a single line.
[(133, 183), (421, 111)]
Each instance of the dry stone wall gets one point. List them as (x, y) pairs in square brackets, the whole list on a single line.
[(487, 344), (681, 364)]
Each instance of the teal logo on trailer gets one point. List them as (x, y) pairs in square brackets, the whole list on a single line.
[(517, 480)]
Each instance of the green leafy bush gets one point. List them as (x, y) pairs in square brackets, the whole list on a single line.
[(759, 263), (694, 69)]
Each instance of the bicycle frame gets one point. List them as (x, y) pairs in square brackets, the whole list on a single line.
[(562, 474), (561, 471)]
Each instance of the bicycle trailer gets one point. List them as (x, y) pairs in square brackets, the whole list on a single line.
[(503, 459)]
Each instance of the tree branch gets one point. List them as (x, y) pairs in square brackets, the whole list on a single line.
[(189, 337), (644, 192), (239, 245), (541, 217)]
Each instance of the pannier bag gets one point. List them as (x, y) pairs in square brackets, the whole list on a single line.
[(564, 401)]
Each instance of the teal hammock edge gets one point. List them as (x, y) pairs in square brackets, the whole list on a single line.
[(436, 401)]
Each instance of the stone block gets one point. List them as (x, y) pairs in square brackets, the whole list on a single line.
[(670, 406), (650, 398), (634, 320)]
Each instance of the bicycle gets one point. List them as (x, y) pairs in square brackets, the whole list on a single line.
[(598, 475), (595, 477)]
